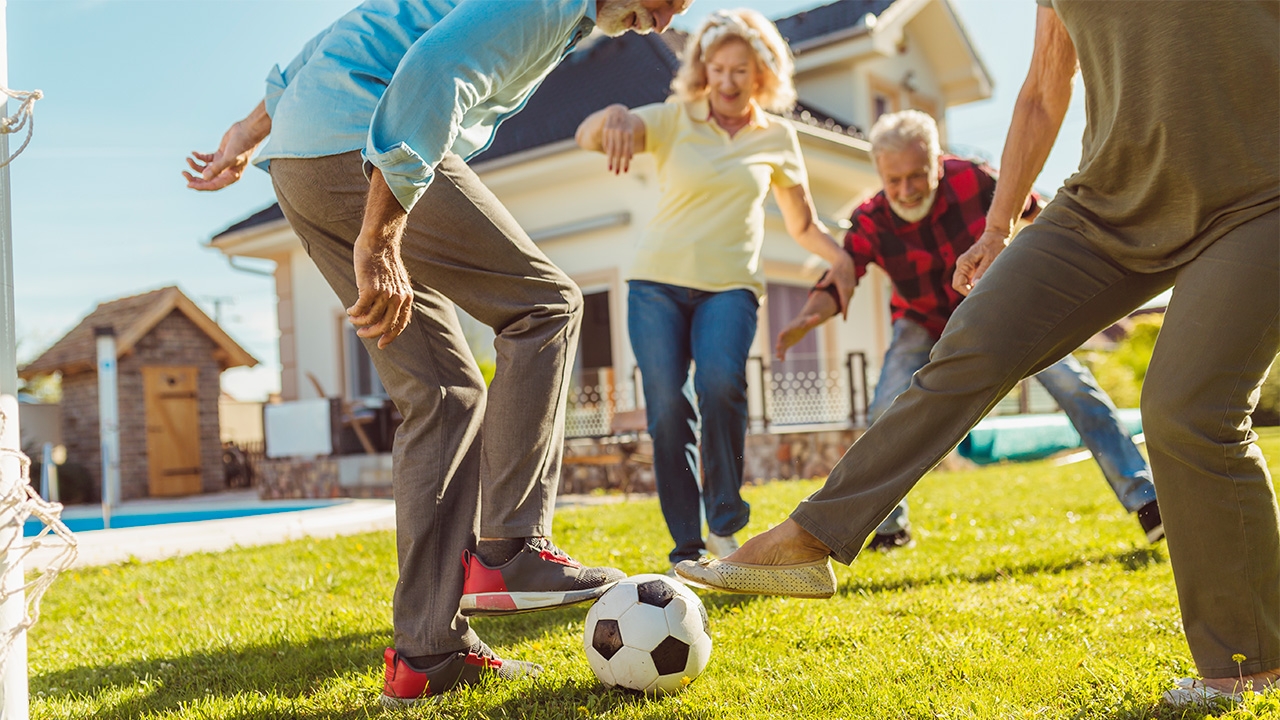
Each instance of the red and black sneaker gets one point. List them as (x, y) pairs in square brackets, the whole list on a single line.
[(539, 577), (406, 686)]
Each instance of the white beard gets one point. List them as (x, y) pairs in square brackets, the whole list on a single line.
[(917, 213), (612, 18)]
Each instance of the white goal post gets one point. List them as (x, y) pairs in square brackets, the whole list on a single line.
[(13, 683), (19, 599)]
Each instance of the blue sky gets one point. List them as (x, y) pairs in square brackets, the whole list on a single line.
[(100, 210)]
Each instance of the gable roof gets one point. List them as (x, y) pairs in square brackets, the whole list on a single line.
[(810, 26), (633, 70), (132, 318)]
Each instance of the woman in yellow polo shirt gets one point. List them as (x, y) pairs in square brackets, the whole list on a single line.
[(696, 282)]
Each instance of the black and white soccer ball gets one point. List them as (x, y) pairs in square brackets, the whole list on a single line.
[(647, 633)]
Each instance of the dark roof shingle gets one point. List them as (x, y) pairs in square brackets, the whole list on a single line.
[(828, 19)]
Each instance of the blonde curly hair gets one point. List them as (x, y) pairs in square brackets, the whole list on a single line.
[(777, 91)]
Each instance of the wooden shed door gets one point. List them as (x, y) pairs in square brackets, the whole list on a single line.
[(173, 430)]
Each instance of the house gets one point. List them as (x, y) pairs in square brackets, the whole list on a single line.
[(170, 358), (855, 60)]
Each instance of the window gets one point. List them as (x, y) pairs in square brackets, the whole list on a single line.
[(592, 395), (362, 378), (885, 98), (595, 349), (881, 107)]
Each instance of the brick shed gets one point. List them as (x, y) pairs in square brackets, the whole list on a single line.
[(170, 359)]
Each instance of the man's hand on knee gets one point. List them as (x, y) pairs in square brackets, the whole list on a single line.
[(385, 303)]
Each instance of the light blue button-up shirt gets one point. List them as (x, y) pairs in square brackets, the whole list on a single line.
[(408, 81)]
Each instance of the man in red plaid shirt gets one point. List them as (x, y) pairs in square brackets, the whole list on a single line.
[(932, 209)]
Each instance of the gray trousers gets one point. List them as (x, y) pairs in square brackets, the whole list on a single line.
[(466, 461), (1044, 296)]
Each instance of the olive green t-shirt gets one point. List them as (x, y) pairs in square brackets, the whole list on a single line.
[(1182, 141)]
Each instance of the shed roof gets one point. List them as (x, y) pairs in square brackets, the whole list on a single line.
[(132, 318)]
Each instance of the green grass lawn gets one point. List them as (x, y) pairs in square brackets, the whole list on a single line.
[(1031, 594)]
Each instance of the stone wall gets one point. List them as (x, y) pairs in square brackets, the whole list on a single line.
[(358, 476), (174, 341), (590, 466)]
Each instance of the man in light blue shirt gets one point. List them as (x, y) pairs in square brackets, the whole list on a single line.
[(369, 128)]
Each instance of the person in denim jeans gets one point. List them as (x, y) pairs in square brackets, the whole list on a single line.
[(697, 279), (915, 230)]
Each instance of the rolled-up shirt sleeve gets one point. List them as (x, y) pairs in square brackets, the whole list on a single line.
[(278, 80), (475, 50)]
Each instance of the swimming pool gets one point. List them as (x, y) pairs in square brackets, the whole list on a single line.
[(86, 519)]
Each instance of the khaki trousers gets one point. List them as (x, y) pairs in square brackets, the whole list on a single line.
[(1045, 295), (465, 461)]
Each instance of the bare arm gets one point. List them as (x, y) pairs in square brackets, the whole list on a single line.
[(1037, 118), (227, 164), (819, 308), (615, 131), (385, 303), (804, 227)]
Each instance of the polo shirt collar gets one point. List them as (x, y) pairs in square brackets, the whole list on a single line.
[(700, 110)]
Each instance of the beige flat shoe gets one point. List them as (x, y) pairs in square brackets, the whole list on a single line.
[(1189, 691), (802, 580)]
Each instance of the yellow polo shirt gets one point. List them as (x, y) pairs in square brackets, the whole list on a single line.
[(709, 225)]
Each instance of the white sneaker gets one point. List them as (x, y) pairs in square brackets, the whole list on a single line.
[(720, 545)]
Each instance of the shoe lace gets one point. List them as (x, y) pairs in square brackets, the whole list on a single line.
[(483, 650), (544, 544)]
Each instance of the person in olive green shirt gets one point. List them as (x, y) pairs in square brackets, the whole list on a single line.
[(1179, 185)]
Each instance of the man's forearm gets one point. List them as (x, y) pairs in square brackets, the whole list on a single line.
[(257, 125), (384, 217)]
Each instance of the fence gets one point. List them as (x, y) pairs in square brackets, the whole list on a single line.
[(832, 398)]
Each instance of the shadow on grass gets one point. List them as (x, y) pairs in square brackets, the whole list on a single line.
[(298, 670), (1130, 560), (284, 669), (287, 669)]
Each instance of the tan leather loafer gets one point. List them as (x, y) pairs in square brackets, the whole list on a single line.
[(802, 580)]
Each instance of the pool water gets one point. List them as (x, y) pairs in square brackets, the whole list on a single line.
[(82, 522)]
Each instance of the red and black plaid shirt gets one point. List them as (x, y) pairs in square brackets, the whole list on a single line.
[(920, 257)]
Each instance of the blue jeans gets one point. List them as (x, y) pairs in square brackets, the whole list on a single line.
[(1072, 387), (671, 326)]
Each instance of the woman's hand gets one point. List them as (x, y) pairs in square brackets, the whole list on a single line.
[(844, 276), (617, 138)]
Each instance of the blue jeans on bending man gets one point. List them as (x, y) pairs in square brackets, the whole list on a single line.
[(672, 327), (1072, 386)]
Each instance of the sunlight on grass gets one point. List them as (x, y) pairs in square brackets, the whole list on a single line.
[(1031, 595)]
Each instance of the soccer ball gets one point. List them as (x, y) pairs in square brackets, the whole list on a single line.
[(647, 633)]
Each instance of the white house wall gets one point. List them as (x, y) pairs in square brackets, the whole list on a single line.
[(589, 221), (317, 317)]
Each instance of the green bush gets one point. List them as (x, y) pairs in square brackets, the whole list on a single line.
[(1120, 371)]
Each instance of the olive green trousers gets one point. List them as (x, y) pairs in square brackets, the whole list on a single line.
[(1045, 295)]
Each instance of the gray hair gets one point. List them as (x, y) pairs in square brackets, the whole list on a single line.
[(895, 132)]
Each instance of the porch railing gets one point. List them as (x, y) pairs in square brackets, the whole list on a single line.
[(833, 397)]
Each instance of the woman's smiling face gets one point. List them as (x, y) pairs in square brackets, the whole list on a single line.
[(732, 78)]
